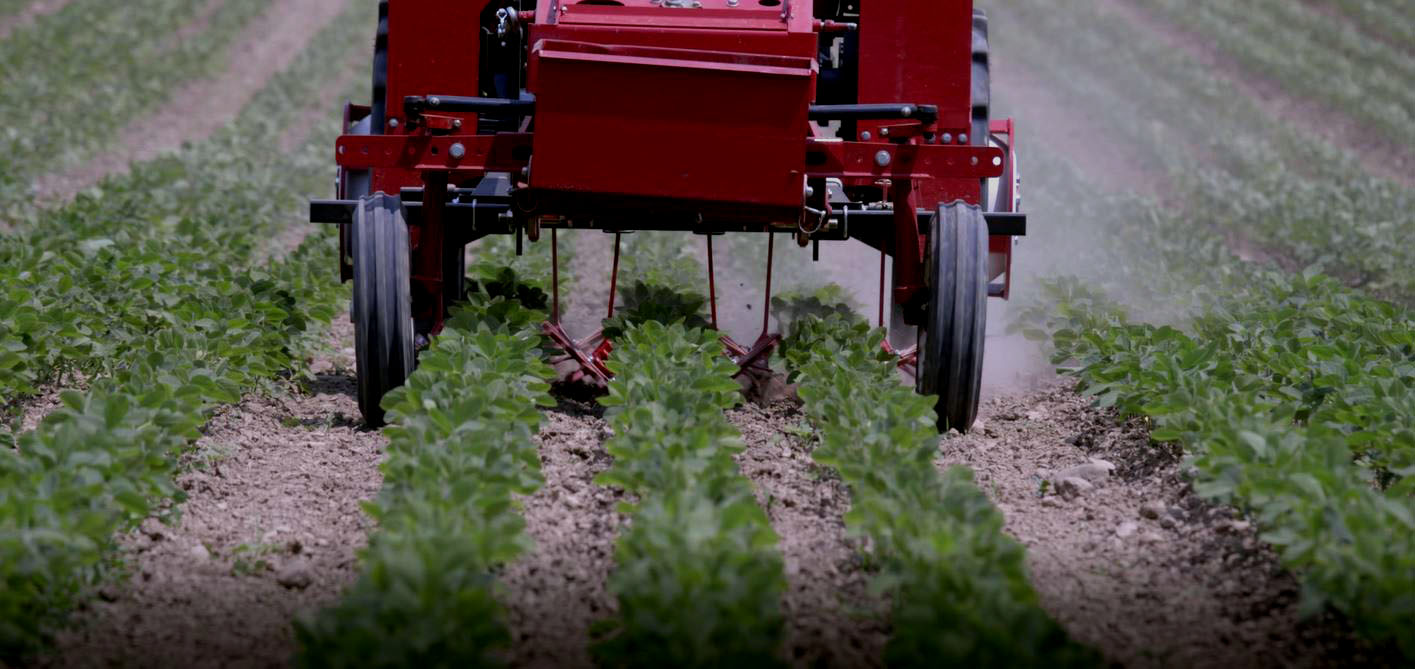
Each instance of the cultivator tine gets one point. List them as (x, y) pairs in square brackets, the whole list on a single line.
[(712, 284), (554, 278), (881, 289), (614, 276), (766, 305)]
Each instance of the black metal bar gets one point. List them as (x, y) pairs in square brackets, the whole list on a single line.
[(924, 113), (478, 215), (484, 215), (999, 222), (417, 104)]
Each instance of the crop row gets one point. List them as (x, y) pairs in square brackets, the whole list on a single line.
[(1307, 53), (1296, 406), (461, 445), (82, 283), (1253, 179), (119, 60), (958, 583), (698, 576), (146, 288)]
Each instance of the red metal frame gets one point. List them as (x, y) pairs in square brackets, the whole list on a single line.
[(646, 106)]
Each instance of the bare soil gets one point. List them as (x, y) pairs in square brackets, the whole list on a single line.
[(1372, 150), (28, 15), (554, 593), (1137, 565), (267, 46), (832, 620), (269, 531)]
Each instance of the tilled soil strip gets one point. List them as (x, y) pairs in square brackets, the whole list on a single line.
[(267, 46), (556, 592), (1123, 553), (831, 618), (1376, 153), (270, 529), (29, 14)]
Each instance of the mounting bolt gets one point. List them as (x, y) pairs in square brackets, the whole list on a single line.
[(810, 191), (882, 159), (457, 123), (962, 138), (457, 151), (865, 136), (731, 3), (907, 111), (884, 132), (392, 122), (947, 138), (434, 101)]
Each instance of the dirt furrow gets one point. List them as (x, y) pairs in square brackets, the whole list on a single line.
[(1123, 553), (831, 618), (269, 530), (554, 593), (265, 47), (28, 15), (1373, 151)]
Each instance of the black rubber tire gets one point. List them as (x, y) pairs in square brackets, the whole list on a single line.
[(383, 305), (951, 340)]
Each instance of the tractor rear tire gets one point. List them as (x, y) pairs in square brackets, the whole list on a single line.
[(951, 339), (383, 305)]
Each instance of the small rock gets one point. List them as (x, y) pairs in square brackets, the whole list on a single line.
[(200, 552), (1052, 502), (295, 576), (109, 593), (1126, 529), (152, 528), (1094, 471), (1072, 486), (1036, 415), (1152, 510), (1168, 523), (1151, 538), (221, 505), (1234, 526)]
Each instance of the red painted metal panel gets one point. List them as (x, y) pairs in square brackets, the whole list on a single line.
[(505, 152), (856, 160), (921, 51), (433, 47), (652, 122)]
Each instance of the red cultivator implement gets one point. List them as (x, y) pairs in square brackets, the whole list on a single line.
[(838, 120)]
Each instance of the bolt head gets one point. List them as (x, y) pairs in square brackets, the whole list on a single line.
[(457, 123), (392, 122), (810, 191), (882, 159), (962, 138), (947, 138), (457, 151), (865, 136), (907, 111), (884, 132), (434, 101)]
